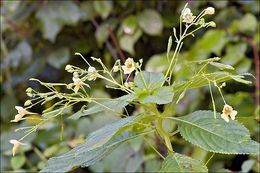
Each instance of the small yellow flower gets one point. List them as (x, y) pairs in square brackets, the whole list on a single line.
[(187, 16), (16, 145), (78, 82), (210, 10), (228, 110), (21, 113), (92, 73), (129, 66)]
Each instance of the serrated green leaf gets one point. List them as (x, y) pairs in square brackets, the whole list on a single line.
[(82, 156), (161, 95), (115, 105), (181, 163), (216, 135), (101, 136), (150, 80), (150, 21)]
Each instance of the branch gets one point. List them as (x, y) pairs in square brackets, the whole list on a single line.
[(115, 42)]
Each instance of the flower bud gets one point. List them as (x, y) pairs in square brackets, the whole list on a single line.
[(29, 90), (75, 74), (212, 24), (210, 10), (27, 103)]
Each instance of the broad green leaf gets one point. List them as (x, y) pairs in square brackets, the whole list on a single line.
[(20, 55), (161, 95), (180, 163), (103, 8), (150, 21), (149, 79), (215, 135), (115, 105), (82, 156), (234, 54), (59, 58), (87, 10), (157, 63), (101, 136), (127, 42), (202, 80), (17, 162), (246, 25), (129, 24), (54, 15), (247, 166)]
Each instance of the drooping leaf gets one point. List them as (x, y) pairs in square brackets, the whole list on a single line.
[(161, 95), (103, 8), (54, 15), (59, 58), (234, 54), (180, 163), (82, 156), (150, 21), (150, 80), (17, 162), (216, 135), (129, 24), (127, 42), (202, 80), (222, 66), (114, 105)]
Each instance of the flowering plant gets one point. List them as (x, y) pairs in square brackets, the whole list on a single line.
[(156, 94)]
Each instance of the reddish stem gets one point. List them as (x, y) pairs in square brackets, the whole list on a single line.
[(256, 60), (115, 42)]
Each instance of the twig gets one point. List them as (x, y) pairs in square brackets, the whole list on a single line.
[(256, 59), (108, 45), (18, 30), (115, 42)]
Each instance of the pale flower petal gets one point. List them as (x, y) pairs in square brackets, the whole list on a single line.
[(233, 115), (210, 10), (225, 117), (16, 145), (129, 66)]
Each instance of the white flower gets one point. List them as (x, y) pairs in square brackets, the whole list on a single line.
[(21, 113), (187, 16), (129, 66), (78, 82), (92, 73), (210, 10), (16, 145), (228, 110)]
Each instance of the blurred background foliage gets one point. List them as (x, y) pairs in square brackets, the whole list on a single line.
[(38, 38)]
